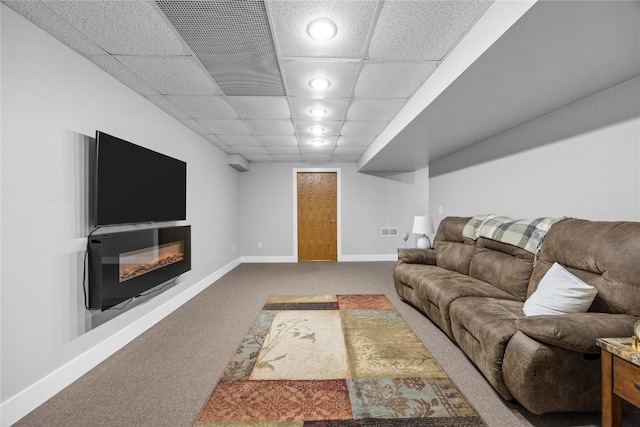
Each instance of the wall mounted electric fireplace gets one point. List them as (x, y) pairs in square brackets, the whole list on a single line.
[(126, 264)]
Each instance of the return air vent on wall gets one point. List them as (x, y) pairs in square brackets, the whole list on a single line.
[(233, 41), (389, 231)]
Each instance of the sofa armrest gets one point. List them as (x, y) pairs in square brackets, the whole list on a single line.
[(417, 256), (577, 331)]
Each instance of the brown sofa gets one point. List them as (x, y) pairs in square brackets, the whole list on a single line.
[(474, 290)]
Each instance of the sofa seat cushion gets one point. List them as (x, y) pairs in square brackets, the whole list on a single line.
[(437, 288), (410, 275), (482, 328)]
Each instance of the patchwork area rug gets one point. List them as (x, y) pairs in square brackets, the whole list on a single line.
[(334, 360)]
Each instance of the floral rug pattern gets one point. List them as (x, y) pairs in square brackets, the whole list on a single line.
[(334, 360)]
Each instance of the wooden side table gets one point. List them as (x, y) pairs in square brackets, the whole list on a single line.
[(620, 378)]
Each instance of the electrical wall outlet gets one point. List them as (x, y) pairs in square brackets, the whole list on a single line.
[(259, 245)]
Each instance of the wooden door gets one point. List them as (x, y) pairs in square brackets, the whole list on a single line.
[(317, 216)]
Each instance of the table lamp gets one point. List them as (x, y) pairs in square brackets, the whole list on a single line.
[(423, 225)]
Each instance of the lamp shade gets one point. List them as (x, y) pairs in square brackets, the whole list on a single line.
[(423, 225)]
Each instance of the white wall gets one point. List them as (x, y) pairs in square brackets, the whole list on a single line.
[(367, 203), (53, 100), (421, 191), (581, 161)]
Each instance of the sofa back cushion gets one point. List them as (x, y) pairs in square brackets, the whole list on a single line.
[(606, 255), (453, 251), (505, 266)]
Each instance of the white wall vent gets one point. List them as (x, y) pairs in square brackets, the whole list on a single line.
[(389, 231)]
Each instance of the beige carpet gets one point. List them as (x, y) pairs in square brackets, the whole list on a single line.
[(165, 376)]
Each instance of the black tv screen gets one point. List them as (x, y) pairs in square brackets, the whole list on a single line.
[(133, 184)]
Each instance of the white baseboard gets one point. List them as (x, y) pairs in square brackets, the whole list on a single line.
[(36, 394), (341, 258), (265, 259), (368, 258)]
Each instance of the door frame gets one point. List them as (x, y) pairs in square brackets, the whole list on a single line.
[(338, 172)]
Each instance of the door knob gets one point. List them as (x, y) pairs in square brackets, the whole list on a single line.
[(332, 221)]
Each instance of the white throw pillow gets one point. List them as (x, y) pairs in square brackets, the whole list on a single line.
[(559, 292)]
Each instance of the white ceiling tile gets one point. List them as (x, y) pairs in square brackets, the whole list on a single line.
[(375, 109), (249, 149), (258, 158), (261, 107), (170, 108), (122, 73), (234, 140), (122, 27), (225, 127), (355, 141), (316, 150), (422, 30), (226, 148), (287, 157), (305, 143), (362, 128), (45, 18), (204, 107), (287, 140), (213, 139), (335, 108), (290, 20), (303, 127), (180, 75), (195, 126), (345, 158), (316, 158), (282, 150), (270, 127), (392, 80), (349, 150), (342, 76)]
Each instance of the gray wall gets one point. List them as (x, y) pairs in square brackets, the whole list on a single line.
[(367, 203), (53, 100), (582, 161)]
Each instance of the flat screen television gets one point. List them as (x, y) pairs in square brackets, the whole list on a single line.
[(132, 184)]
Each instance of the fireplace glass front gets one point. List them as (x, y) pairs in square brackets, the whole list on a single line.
[(124, 265)]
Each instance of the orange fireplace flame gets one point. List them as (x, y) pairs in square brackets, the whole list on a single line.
[(136, 263)]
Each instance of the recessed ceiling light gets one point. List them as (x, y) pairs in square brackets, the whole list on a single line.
[(317, 112), (317, 141), (319, 83), (322, 29), (316, 130)]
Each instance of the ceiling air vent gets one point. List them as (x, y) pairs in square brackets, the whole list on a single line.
[(233, 41)]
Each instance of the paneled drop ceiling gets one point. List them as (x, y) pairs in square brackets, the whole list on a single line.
[(238, 71)]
